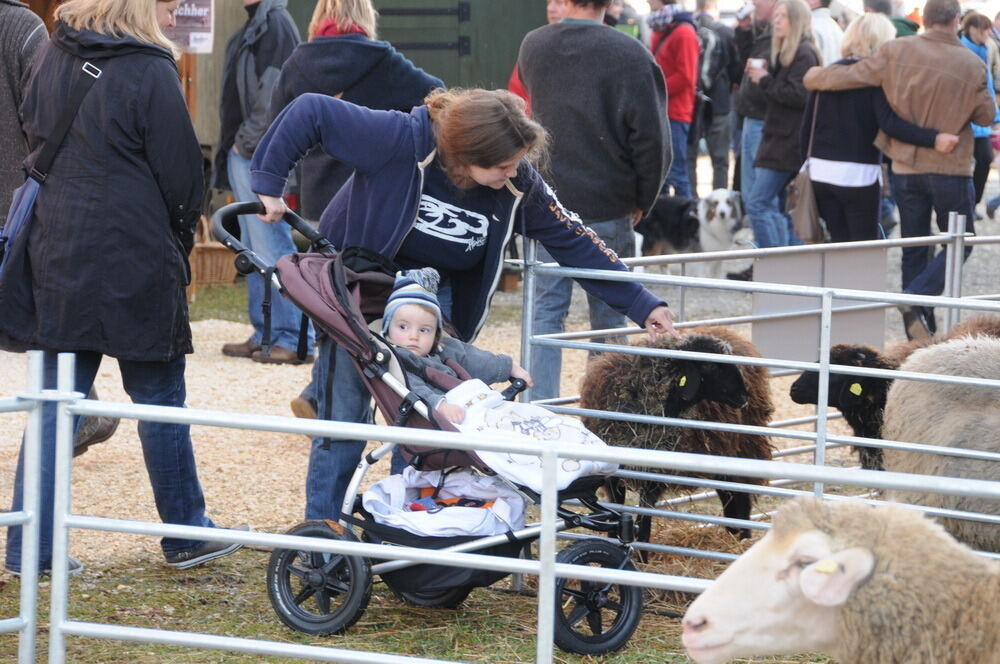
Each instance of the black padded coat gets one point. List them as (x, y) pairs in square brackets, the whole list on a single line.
[(104, 266)]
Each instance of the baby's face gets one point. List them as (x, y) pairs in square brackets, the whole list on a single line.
[(414, 328)]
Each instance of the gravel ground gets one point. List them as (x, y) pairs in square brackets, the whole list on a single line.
[(258, 477)]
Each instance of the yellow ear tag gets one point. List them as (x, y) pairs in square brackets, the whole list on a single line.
[(683, 381), (826, 567), (855, 389)]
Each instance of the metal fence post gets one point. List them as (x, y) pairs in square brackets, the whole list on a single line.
[(31, 505), (823, 397), (528, 307), (959, 264), (951, 257), (61, 508), (547, 557)]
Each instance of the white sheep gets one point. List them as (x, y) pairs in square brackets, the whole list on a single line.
[(865, 585), (953, 416)]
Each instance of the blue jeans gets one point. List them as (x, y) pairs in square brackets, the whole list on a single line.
[(917, 196), (677, 176), (552, 300), (753, 133), (765, 207), (270, 242), (332, 461), (166, 449)]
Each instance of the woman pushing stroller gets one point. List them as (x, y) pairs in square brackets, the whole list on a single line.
[(444, 186)]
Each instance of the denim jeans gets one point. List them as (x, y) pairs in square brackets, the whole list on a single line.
[(750, 138), (552, 300), (677, 176), (166, 448), (332, 461), (917, 196), (270, 242), (765, 207)]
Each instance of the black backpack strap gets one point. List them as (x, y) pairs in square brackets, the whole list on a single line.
[(265, 306), (40, 170), (302, 347)]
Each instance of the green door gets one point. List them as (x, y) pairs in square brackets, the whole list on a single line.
[(467, 43)]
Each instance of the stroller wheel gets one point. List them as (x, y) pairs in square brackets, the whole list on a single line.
[(594, 618), (450, 598), (317, 592)]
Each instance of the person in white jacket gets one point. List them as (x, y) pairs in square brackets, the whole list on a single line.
[(826, 31)]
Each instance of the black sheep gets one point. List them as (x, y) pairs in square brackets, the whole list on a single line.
[(670, 387)]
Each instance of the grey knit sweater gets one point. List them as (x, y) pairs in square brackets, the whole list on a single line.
[(601, 96), (21, 34)]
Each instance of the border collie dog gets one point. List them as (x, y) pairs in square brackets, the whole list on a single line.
[(678, 225)]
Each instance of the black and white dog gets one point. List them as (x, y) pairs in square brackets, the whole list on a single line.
[(678, 225)]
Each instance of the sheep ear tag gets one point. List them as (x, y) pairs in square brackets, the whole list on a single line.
[(851, 392), (830, 581), (689, 382)]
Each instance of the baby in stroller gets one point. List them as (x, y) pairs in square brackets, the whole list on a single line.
[(453, 377), (412, 322)]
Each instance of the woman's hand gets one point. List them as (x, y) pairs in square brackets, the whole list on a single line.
[(945, 143), (517, 371), (452, 413), (661, 321), (274, 207)]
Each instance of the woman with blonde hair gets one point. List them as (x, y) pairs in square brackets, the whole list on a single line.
[(844, 164), (977, 35), (444, 186), (103, 266), (780, 79)]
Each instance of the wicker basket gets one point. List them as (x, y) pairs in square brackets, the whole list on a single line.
[(211, 261)]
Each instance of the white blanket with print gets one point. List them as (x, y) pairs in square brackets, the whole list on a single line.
[(485, 410)]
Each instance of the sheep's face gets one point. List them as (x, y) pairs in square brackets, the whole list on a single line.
[(780, 597), (844, 390), (700, 381)]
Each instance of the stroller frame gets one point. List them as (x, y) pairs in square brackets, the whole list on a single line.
[(298, 579)]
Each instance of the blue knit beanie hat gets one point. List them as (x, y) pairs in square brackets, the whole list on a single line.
[(413, 287)]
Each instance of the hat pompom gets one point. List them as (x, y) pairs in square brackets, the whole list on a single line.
[(418, 287)]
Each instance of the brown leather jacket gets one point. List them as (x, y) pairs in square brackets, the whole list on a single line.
[(931, 80)]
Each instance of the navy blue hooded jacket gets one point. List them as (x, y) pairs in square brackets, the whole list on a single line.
[(355, 69), (376, 209)]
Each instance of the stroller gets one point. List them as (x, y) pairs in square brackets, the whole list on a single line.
[(322, 593)]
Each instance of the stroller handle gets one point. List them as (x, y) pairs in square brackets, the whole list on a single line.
[(226, 229)]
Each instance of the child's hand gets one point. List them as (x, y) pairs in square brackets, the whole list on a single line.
[(452, 413), (517, 371)]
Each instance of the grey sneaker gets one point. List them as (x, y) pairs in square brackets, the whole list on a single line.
[(74, 567), (203, 552)]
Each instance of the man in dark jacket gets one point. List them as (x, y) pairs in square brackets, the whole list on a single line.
[(719, 69), (608, 160), (254, 56)]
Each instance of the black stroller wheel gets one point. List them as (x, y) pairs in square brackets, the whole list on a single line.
[(449, 598), (316, 592), (594, 618)]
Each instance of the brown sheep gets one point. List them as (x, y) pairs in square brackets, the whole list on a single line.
[(644, 385), (865, 585)]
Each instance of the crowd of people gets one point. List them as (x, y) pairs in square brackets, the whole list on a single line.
[(388, 159)]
